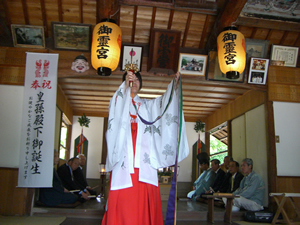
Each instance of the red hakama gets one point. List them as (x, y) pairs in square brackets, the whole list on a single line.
[(137, 205)]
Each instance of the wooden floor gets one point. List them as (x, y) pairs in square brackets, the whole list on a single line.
[(91, 212)]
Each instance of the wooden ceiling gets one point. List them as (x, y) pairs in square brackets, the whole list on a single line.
[(200, 21)]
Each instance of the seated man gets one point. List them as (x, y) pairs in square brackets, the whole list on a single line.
[(225, 165), (251, 190), (65, 172), (205, 180), (232, 178), (57, 194), (79, 177), (220, 175)]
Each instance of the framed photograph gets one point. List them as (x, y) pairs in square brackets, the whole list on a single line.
[(277, 63), (214, 73), (258, 71), (131, 54), (28, 36), (255, 48), (192, 64), (72, 36), (285, 53)]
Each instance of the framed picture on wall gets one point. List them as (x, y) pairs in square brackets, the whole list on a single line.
[(131, 54), (71, 36), (28, 36), (255, 48), (258, 71), (192, 64), (285, 53)]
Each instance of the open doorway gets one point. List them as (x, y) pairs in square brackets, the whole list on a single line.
[(219, 143)]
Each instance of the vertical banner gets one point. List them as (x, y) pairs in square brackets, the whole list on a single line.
[(38, 120)]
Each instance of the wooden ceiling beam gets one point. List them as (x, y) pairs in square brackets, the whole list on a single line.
[(107, 10), (170, 19), (60, 11), (297, 39), (7, 14), (134, 24), (80, 12), (25, 12), (44, 17), (170, 6), (204, 32), (253, 33), (268, 24), (225, 18), (186, 31), (283, 38), (153, 18)]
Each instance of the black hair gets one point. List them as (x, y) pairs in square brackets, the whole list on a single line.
[(81, 57), (138, 75), (203, 158), (236, 163), (216, 161)]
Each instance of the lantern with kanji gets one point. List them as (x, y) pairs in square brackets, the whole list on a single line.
[(231, 52), (106, 47)]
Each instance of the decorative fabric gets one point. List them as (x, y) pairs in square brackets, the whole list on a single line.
[(156, 145)]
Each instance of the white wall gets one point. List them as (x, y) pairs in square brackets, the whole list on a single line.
[(287, 123), (256, 143), (11, 102), (238, 138), (94, 134), (250, 140)]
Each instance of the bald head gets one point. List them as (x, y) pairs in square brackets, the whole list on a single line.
[(82, 159)]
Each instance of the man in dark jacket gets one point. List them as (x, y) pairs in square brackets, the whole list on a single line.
[(65, 173), (57, 194), (79, 176), (220, 174), (232, 178)]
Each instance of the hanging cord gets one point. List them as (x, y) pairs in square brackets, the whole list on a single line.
[(114, 13), (159, 117)]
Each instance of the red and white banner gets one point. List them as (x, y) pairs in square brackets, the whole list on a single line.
[(38, 120)]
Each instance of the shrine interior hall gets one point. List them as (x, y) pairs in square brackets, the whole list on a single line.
[(255, 115)]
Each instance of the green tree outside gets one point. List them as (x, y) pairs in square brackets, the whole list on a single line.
[(218, 150)]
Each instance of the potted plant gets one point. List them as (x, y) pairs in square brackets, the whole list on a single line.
[(84, 121)]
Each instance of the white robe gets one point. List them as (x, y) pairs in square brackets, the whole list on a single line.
[(156, 144)]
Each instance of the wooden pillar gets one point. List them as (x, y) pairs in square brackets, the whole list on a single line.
[(207, 142), (272, 169), (229, 138)]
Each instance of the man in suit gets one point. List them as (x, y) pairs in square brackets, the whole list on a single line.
[(232, 179), (57, 194), (220, 175), (79, 176), (65, 172)]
